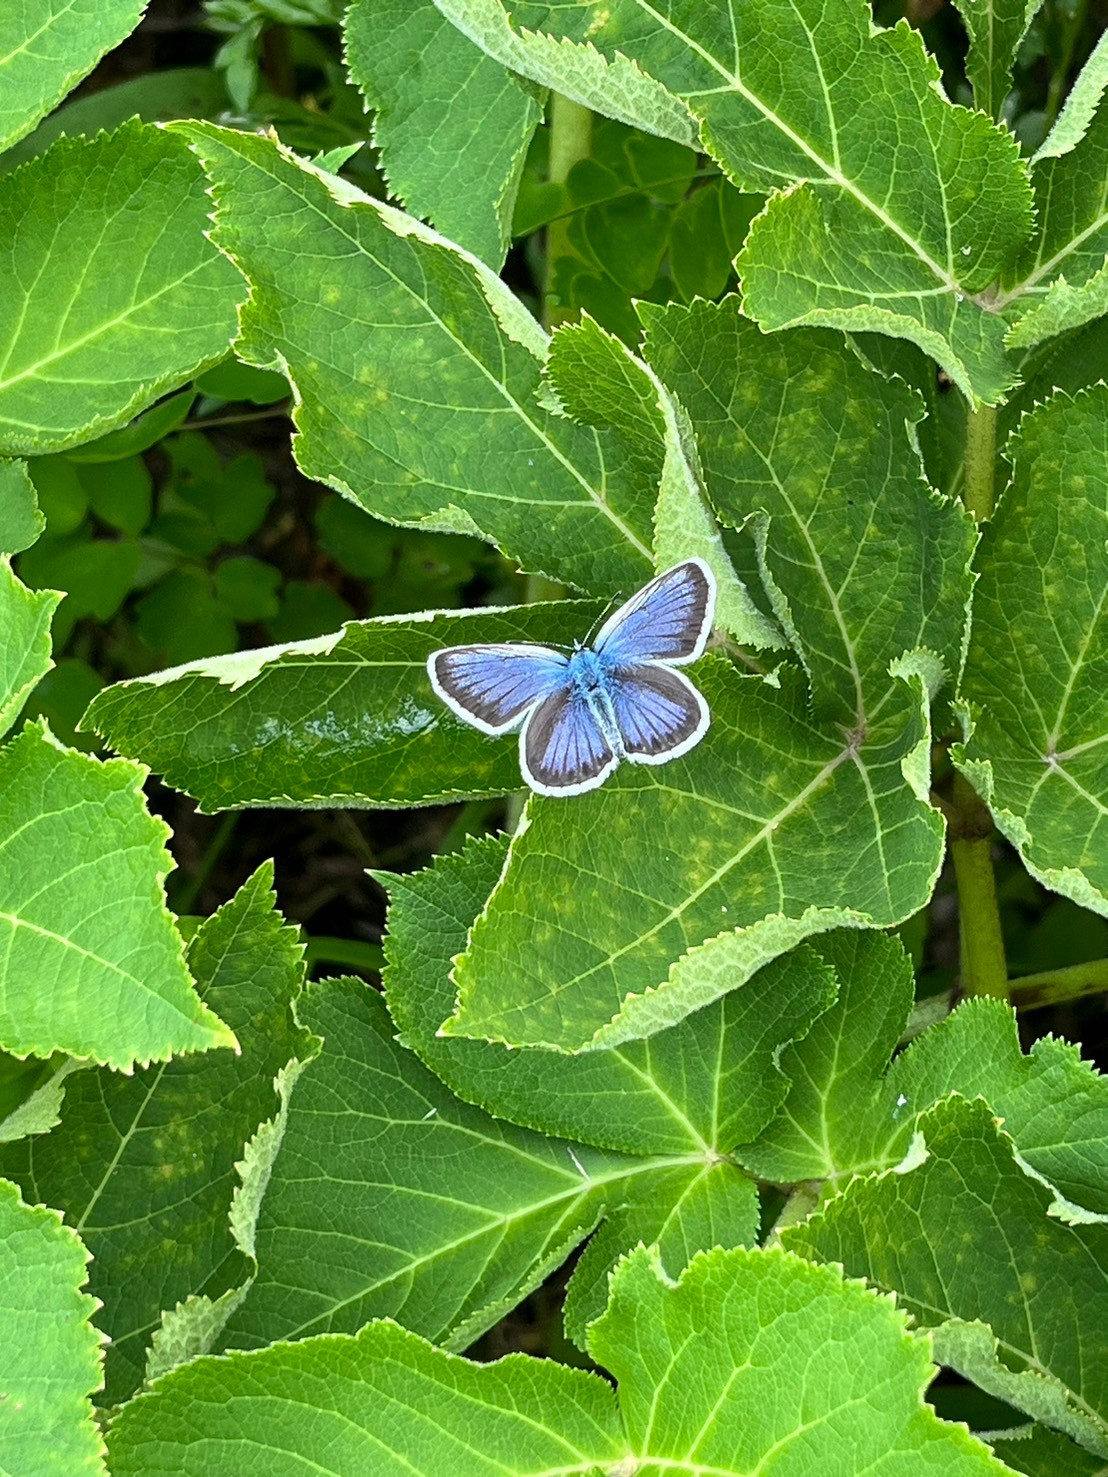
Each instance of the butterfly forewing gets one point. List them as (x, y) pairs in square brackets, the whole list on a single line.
[(667, 621), (563, 750), (492, 687), (658, 711)]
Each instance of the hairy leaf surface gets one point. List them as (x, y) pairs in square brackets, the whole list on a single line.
[(142, 1162), (983, 1256), (117, 294), (708, 1083), (1036, 679), (452, 124), (49, 1350), (750, 1358), (416, 372), (904, 207), (92, 964), (47, 46), (773, 827)]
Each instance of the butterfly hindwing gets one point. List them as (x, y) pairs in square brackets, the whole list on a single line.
[(659, 713), (563, 750), (492, 687), (667, 621)]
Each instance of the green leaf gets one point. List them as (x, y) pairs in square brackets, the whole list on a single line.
[(345, 719), (752, 1359), (849, 1112), (140, 434), (681, 1213), (156, 96), (381, 302), (96, 575), (122, 302), (92, 963), (25, 616), (861, 560), (147, 1161), (995, 28), (232, 380), (1040, 1452), (21, 523), (1036, 673), (1060, 279), (615, 86), (599, 382), (452, 126), (248, 588), (698, 1089), (704, 845), (182, 620), (385, 1403), (825, 101), (984, 1253), (50, 1359), (63, 500), (389, 1197), (120, 493), (45, 50)]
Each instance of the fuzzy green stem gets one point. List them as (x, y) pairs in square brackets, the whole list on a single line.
[(570, 141), (984, 971), (1053, 986), (979, 491)]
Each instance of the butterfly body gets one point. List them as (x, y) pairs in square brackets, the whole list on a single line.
[(580, 712)]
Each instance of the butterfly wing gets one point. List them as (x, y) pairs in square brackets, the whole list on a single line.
[(563, 750), (492, 687), (667, 621), (659, 712)]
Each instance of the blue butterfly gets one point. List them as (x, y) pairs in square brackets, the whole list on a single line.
[(584, 710)]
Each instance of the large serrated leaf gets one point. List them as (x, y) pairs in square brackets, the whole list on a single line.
[(848, 1111), (47, 46), (92, 964), (25, 617), (119, 296), (49, 1351), (21, 523), (905, 208), (979, 1265), (390, 1197), (610, 896), (347, 719), (1036, 678), (145, 1161), (598, 381), (753, 1360), (862, 560), (996, 28), (696, 1090), (452, 125), (416, 372), (1060, 279)]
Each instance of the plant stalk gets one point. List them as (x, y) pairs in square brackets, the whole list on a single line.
[(979, 491), (984, 970), (570, 141), (1053, 986)]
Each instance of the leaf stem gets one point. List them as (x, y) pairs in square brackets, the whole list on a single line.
[(984, 971), (570, 141), (184, 900), (1053, 986), (979, 490)]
